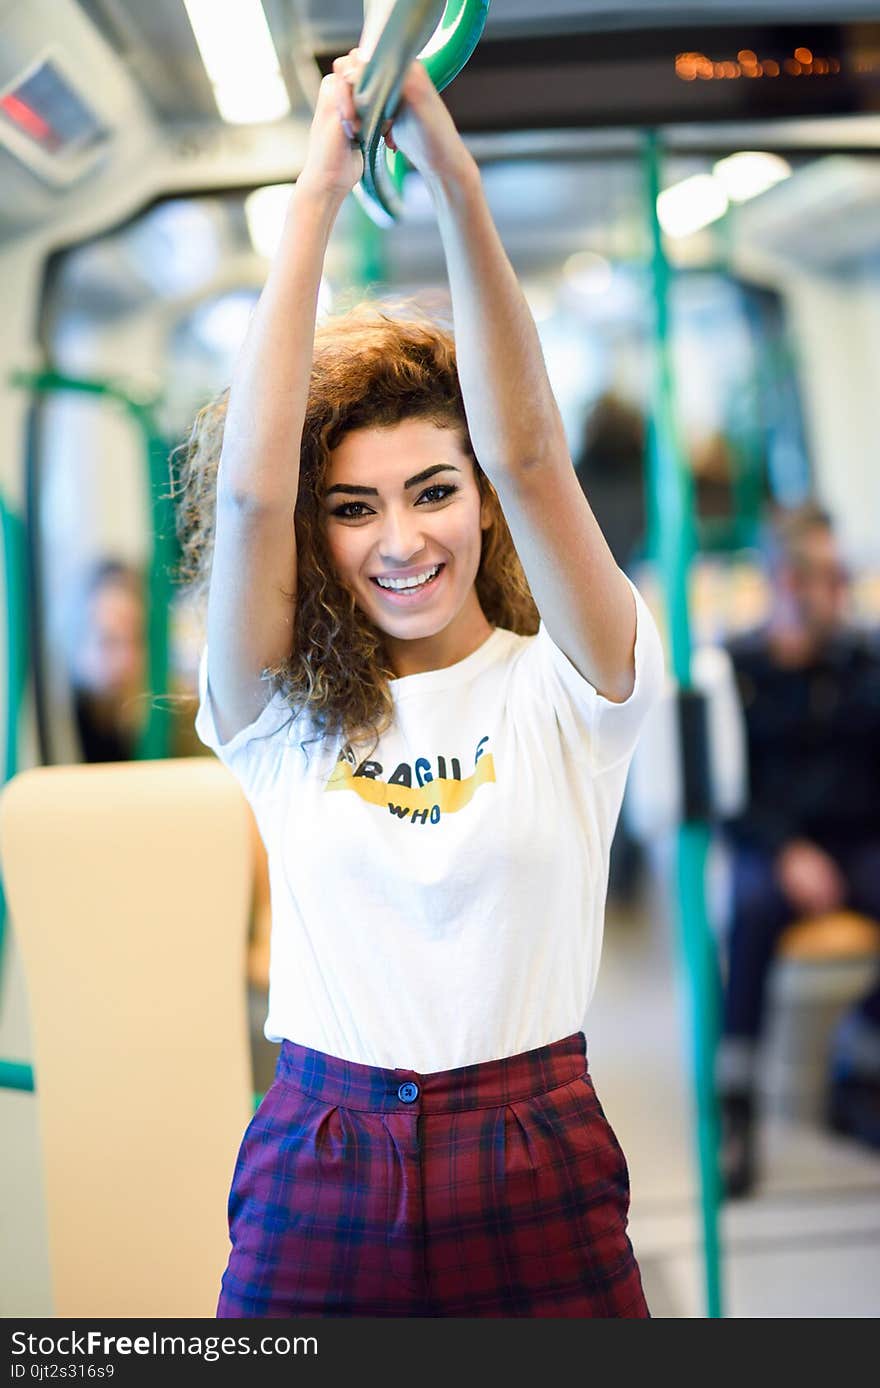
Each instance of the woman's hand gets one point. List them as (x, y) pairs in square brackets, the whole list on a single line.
[(334, 163), (423, 129)]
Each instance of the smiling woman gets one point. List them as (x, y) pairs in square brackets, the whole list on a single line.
[(411, 556), (384, 397), (432, 1144)]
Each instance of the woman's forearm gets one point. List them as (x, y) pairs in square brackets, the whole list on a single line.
[(270, 383), (513, 418)]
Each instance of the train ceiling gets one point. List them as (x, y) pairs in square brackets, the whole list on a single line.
[(156, 42), (141, 60), (576, 65)]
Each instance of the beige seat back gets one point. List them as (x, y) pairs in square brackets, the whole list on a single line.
[(128, 885)]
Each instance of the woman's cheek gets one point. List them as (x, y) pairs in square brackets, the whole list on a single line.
[(339, 544)]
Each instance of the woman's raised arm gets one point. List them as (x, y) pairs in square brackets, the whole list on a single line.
[(583, 597), (253, 575)]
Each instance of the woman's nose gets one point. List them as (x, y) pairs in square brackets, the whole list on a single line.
[(401, 538)]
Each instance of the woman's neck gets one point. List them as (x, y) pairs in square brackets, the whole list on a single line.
[(463, 635)]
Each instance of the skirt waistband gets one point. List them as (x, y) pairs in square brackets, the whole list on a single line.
[(485, 1085)]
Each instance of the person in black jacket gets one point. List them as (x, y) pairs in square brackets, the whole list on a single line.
[(809, 839)]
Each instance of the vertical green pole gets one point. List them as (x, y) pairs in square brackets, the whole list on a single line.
[(13, 1074), (17, 653), (673, 513), (369, 263), (155, 741)]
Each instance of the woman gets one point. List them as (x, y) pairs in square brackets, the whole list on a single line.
[(436, 777)]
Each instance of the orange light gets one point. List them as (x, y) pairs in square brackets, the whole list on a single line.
[(804, 56), (792, 67), (771, 67), (747, 57), (820, 66), (834, 65)]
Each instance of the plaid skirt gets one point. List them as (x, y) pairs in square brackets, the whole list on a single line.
[(496, 1189)]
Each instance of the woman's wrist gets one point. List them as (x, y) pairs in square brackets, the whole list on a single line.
[(456, 179), (322, 196)]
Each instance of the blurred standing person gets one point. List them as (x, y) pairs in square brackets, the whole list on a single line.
[(107, 657), (808, 841), (611, 470)]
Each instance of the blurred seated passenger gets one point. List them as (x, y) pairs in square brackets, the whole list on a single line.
[(107, 655), (809, 840)]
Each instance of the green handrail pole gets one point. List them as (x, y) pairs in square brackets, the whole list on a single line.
[(155, 738), (673, 513), (16, 1074), (156, 735), (369, 248), (13, 1074), (444, 53)]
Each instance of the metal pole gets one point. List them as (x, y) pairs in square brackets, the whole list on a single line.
[(156, 735), (155, 739), (444, 38), (13, 1074), (672, 513)]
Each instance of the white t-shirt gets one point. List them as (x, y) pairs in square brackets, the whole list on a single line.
[(441, 903)]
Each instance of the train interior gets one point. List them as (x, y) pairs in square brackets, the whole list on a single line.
[(137, 221)]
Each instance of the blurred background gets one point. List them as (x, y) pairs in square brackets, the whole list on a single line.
[(144, 172)]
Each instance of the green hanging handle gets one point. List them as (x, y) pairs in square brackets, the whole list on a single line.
[(444, 34)]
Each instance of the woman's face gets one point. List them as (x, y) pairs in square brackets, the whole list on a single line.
[(402, 503)]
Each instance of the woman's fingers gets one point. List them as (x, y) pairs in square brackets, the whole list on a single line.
[(348, 69)]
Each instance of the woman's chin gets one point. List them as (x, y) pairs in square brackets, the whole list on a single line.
[(411, 627)]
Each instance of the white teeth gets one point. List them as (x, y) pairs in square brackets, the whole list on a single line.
[(415, 582)]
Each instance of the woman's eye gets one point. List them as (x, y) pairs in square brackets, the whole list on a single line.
[(439, 492), (346, 512), (357, 510)]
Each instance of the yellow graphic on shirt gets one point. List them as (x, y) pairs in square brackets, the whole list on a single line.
[(437, 796)]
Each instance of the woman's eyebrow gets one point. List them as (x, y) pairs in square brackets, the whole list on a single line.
[(411, 482)]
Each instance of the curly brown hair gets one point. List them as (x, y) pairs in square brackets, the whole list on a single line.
[(370, 369)]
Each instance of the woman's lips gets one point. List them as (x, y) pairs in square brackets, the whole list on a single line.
[(410, 597)]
